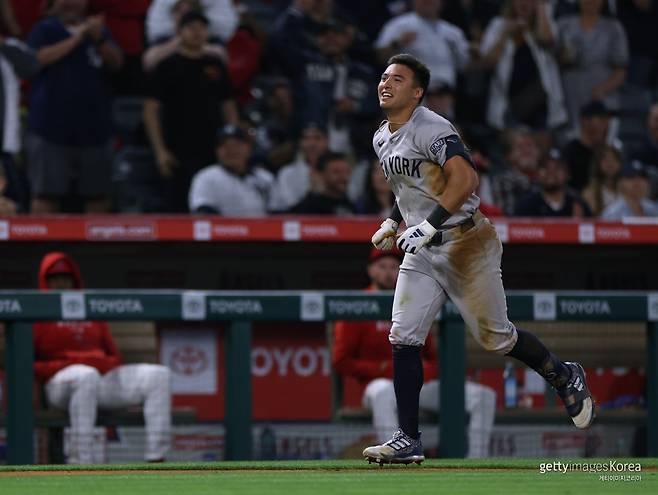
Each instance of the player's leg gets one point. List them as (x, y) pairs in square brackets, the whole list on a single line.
[(75, 387), (474, 284), (147, 385), (379, 397), (418, 298)]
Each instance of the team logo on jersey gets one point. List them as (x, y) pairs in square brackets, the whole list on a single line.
[(380, 143), (401, 166), (437, 146)]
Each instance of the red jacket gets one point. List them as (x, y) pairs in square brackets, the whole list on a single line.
[(361, 350), (63, 343)]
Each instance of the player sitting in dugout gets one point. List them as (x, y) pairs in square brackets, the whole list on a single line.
[(80, 367), (362, 351)]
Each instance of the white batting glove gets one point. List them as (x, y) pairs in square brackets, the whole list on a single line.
[(384, 238), (415, 238)]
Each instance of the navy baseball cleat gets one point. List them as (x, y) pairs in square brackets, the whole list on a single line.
[(400, 449), (577, 397)]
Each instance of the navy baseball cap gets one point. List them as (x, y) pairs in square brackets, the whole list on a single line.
[(595, 109), (634, 169), (231, 131), (192, 16), (552, 155), (332, 25)]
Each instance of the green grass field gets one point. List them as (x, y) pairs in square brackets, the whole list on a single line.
[(507, 477)]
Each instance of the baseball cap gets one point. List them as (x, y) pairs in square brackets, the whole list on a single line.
[(231, 131), (634, 169), (553, 154), (192, 16), (332, 25), (60, 267), (595, 109), (376, 254)]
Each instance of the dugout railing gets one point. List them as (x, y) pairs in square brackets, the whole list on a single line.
[(18, 309)]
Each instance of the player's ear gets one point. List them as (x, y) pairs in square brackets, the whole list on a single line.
[(418, 93)]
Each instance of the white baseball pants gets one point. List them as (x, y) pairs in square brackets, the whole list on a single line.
[(480, 400), (465, 269), (82, 389)]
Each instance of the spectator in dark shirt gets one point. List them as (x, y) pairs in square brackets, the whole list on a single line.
[(275, 141), (191, 96), (335, 173), (640, 18), (578, 153), (166, 46), (335, 91), (553, 198), (647, 153), (126, 22), (69, 121)]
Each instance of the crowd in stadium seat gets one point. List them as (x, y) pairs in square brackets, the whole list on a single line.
[(125, 106)]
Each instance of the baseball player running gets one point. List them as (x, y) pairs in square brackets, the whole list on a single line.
[(452, 250)]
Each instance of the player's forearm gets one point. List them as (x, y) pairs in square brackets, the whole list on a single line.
[(462, 181), (396, 214)]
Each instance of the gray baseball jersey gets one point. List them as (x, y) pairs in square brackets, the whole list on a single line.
[(413, 158), (465, 269)]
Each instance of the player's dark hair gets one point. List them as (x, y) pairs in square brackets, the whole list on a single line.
[(420, 70), (328, 157)]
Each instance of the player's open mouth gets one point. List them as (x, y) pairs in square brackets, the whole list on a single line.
[(386, 95)]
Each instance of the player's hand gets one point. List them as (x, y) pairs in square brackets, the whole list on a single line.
[(415, 238), (384, 238)]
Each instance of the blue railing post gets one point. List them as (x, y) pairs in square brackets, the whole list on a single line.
[(237, 356), (20, 415), (452, 363)]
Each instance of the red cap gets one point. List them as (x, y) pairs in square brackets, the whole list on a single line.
[(376, 254), (60, 267)]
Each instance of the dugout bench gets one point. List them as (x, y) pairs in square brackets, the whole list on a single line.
[(19, 308), (600, 344), (137, 343)]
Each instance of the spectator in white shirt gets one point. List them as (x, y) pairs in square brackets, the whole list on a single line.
[(634, 188), (231, 187), (441, 45)]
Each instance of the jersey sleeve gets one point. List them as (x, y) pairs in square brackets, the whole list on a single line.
[(441, 142)]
